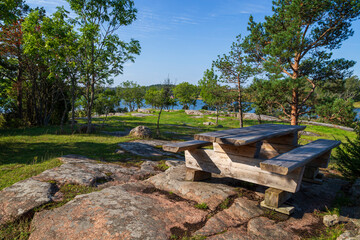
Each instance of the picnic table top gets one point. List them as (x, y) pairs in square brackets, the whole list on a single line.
[(248, 135)]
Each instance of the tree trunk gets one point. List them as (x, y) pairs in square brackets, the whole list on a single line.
[(294, 107), (217, 115), (63, 115), (19, 93), (72, 104), (158, 121), (240, 106), (92, 89)]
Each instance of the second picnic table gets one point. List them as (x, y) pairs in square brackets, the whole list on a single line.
[(266, 154)]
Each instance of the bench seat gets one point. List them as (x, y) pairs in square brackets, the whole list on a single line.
[(182, 146), (286, 163)]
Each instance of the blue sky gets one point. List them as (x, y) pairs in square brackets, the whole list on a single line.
[(181, 38)]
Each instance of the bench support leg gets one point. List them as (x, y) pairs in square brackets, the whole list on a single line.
[(275, 199), (195, 175)]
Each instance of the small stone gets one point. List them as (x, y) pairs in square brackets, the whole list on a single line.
[(119, 151), (209, 123), (330, 220), (141, 132), (219, 126)]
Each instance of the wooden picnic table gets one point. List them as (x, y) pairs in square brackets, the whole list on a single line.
[(266, 154)]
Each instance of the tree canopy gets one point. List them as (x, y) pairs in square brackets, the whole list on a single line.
[(294, 47)]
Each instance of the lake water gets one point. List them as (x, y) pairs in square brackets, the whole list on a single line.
[(200, 104)]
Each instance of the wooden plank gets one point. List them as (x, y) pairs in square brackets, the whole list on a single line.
[(289, 139), (242, 168), (285, 209), (245, 138), (321, 161), (251, 150), (212, 136), (298, 157), (182, 146)]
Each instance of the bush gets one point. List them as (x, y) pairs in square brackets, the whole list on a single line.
[(348, 157)]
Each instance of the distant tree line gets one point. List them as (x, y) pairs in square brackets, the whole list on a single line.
[(51, 66)]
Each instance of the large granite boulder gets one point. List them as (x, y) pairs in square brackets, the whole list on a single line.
[(118, 212), (22, 197), (141, 132)]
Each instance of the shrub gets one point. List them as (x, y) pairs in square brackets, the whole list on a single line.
[(348, 157)]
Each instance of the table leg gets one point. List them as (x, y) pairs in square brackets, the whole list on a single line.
[(196, 175), (275, 199)]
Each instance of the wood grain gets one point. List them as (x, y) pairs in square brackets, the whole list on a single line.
[(298, 157)]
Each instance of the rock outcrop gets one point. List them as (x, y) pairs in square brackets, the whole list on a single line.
[(141, 132), (22, 197)]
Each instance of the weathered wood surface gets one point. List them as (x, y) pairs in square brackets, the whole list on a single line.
[(242, 168), (259, 134), (251, 150), (213, 136), (270, 150), (276, 197), (182, 146), (298, 157)]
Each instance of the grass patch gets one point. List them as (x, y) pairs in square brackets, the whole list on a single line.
[(69, 192), (202, 206), (29, 151), (331, 233), (162, 166), (19, 229)]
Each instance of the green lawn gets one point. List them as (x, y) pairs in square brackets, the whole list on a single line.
[(27, 152)]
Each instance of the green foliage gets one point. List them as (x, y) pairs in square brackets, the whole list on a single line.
[(202, 206), (212, 93), (347, 157), (186, 94), (331, 233), (294, 45), (19, 229), (162, 166), (132, 94), (336, 110), (225, 204), (236, 69), (106, 101), (352, 88), (159, 98)]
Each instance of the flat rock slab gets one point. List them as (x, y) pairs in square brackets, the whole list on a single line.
[(22, 197), (141, 114), (264, 228), (83, 171), (172, 180), (145, 148), (119, 212), (240, 212)]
